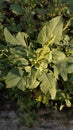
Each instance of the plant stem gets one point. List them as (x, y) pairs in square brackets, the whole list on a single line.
[(67, 25)]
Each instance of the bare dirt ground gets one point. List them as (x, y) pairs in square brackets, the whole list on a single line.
[(47, 119)]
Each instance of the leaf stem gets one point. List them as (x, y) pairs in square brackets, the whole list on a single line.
[(67, 25)]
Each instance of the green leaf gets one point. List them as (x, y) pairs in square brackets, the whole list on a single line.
[(70, 68), (62, 68), (61, 107), (19, 40), (56, 72), (70, 59), (22, 83), (28, 69), (51, 32), (10, 38), (17, 55), (61, 63), (48, 84), (13, 77), (33, 82), (58, 56), (20, 37), (43, 53), (68, 103), (16, 9)]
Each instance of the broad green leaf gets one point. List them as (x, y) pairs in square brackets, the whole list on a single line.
[(70, 68), (53, 84), (18, 40), (10, 38), (21, 61), (56, 72), (60, 61), (17, 59), (58, 56), (22, 84), (64, 69), (20, 37), (63, 65), (48, 84), (17, 55), (51, 32), (13, 77), (33, 82)]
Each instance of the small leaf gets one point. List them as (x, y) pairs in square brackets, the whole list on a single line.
[(61, 107), (68, 103), (28, 69)]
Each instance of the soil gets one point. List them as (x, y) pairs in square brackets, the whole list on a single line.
[(48, 119)]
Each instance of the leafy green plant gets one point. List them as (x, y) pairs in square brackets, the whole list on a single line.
[(36, 69), (39, 69)]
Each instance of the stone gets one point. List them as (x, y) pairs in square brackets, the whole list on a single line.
[(12, 115)]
